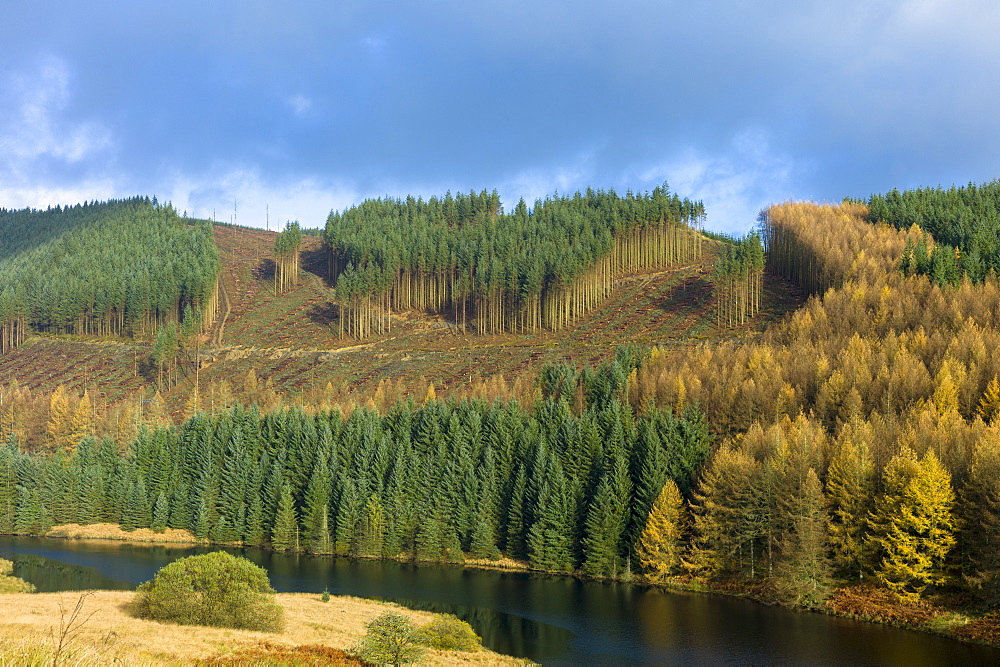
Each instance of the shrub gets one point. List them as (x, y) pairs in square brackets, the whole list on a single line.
[(390, 641), (211, 589), (448, 633)]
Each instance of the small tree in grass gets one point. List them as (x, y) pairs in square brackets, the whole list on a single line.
[(214, 589), (390, 641)]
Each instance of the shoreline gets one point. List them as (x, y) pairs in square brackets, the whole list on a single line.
[(106, 633), (923, 616)]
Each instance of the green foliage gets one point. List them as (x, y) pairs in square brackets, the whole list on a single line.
[(390, 640), (511, 271), (448, 633), (214, 589), (103, 268), (964, 222)]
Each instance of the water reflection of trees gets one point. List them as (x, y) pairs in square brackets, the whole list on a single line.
[(51, 575)]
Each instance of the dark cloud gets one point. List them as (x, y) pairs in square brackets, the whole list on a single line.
[(312, 106)]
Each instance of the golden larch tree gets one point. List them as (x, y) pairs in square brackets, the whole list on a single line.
[(659, 548)]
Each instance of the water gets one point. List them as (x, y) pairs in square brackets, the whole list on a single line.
[(552, 620)]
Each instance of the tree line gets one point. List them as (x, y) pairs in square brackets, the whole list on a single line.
[(441, 481), (874, 405), (113, 268), (963, 224), (518, 271), (286, 257), (738, 279)]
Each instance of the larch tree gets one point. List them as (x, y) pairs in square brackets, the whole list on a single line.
[(912, 525), (660, 545)]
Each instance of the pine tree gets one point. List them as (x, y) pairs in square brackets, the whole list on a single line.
[(605, 522), (912, 525), (136, 513), (430, 538), (803, 572), (161, 512), (370, 535), (979, 508), (550, 540), (659, 548), (850, 490), (285, 533)]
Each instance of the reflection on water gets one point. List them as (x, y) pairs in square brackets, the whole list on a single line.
[(51, 575), (553, 620)]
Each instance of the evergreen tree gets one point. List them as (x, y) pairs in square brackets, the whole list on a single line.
[(979, 509), (850, 491), (285, 534), (161, 512), (803, 573), (605, 523), (136, 513)]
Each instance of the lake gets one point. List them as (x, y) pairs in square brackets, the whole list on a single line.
[(549, 619)]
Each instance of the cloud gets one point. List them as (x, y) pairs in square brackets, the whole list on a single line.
[(300, 104), (249, 197), (734, 185), (33, 127)]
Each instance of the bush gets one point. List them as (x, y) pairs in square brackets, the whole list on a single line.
[(212, 589), (390, 641), (448, 633)]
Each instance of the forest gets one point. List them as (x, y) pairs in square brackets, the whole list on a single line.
[(428, 482), (961, 225), (121, 267), (516, 272), (854, 442)]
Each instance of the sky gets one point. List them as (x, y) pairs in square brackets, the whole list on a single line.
[(264, 112)]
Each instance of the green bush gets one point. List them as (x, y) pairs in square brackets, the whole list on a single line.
[(390, 641), (212, 589), (448, 633)]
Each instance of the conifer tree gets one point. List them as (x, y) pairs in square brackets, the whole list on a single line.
[(605, 522), (912, 525), (979, 508), (136, 513), (850, 491), (989, 405), (803, 572), (285, 534), (370, 536), (161, 512), (550, 538), (659, 548)]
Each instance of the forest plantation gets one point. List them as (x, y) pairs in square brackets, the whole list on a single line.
[(826, 434)]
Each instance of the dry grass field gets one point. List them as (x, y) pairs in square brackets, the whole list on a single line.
[(106, 634)]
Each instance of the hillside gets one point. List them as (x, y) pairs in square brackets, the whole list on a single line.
[(286, 348)]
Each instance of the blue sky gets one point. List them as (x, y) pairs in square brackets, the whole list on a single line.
[(292, 109)]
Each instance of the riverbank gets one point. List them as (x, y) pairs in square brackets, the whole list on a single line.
[(955, 616), (316, 632), (951, 616)]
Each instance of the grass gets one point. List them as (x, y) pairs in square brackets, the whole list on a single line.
[(314, 628), (111, 531)]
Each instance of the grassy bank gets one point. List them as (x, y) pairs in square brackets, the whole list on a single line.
[(316, 632)]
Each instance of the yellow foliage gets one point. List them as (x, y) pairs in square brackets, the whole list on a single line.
[(659, 546)]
